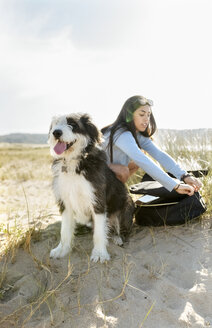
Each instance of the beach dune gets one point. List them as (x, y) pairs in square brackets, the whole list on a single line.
[(162, 278)]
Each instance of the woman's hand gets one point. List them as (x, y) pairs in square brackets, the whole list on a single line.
[(194, 182), (185, 189)]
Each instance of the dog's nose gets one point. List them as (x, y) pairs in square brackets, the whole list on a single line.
[(57, 133)]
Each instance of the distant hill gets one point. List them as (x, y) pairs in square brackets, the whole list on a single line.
[(160, 136), (24, 138)]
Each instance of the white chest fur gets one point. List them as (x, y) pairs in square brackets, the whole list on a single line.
[(76, 193)]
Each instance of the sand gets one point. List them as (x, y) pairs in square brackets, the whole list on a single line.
[(161, 278)]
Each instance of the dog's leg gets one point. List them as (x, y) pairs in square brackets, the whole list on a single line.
[(115, 233), (117, 240), (67, 234), (100, 239)]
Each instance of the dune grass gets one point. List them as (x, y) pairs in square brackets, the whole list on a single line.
[(27, 205), (24, 162), (25, 173)]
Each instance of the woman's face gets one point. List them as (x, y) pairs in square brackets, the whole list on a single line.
[(141, 117)]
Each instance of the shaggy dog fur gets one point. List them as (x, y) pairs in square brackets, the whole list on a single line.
[(86, 189)]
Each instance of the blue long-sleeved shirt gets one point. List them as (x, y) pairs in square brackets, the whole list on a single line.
[(125, 149)]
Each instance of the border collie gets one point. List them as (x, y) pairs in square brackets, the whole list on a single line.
[(85, 188)]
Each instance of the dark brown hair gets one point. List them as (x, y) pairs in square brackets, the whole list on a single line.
[(124, 122)]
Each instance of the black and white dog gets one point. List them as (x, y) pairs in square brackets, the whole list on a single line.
[(84, 186)]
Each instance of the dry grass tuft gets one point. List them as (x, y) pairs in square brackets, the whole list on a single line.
[(27, 210)]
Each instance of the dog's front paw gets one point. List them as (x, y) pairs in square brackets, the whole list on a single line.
[(100, 255), (59, 251)]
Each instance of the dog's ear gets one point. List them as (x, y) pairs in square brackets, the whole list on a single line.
[(90, 128)]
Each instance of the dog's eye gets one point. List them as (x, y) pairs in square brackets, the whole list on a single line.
[(72, 123)]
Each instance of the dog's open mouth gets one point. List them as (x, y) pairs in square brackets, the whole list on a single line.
[(60, 147)]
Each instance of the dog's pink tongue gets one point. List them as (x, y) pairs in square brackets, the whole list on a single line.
[(60, 147)]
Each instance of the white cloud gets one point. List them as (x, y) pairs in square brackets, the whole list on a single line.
[(52, 63)]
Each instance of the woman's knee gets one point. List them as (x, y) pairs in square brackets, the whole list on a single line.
[(122, 172), (132, 167)]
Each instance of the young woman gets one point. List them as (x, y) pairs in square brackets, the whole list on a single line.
[(125, 139)]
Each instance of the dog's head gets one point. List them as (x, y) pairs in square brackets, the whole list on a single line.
[(70, 135)]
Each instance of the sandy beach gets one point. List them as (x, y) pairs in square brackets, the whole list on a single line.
[(162, 278)]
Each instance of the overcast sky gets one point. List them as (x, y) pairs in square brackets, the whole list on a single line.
[(63, 56)]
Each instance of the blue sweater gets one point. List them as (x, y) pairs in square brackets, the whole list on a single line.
[(125, 149)]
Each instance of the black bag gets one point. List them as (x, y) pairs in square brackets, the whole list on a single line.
[(169, 208)]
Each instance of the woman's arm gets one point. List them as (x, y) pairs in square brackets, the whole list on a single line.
[(168, 163), (126, 143)]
